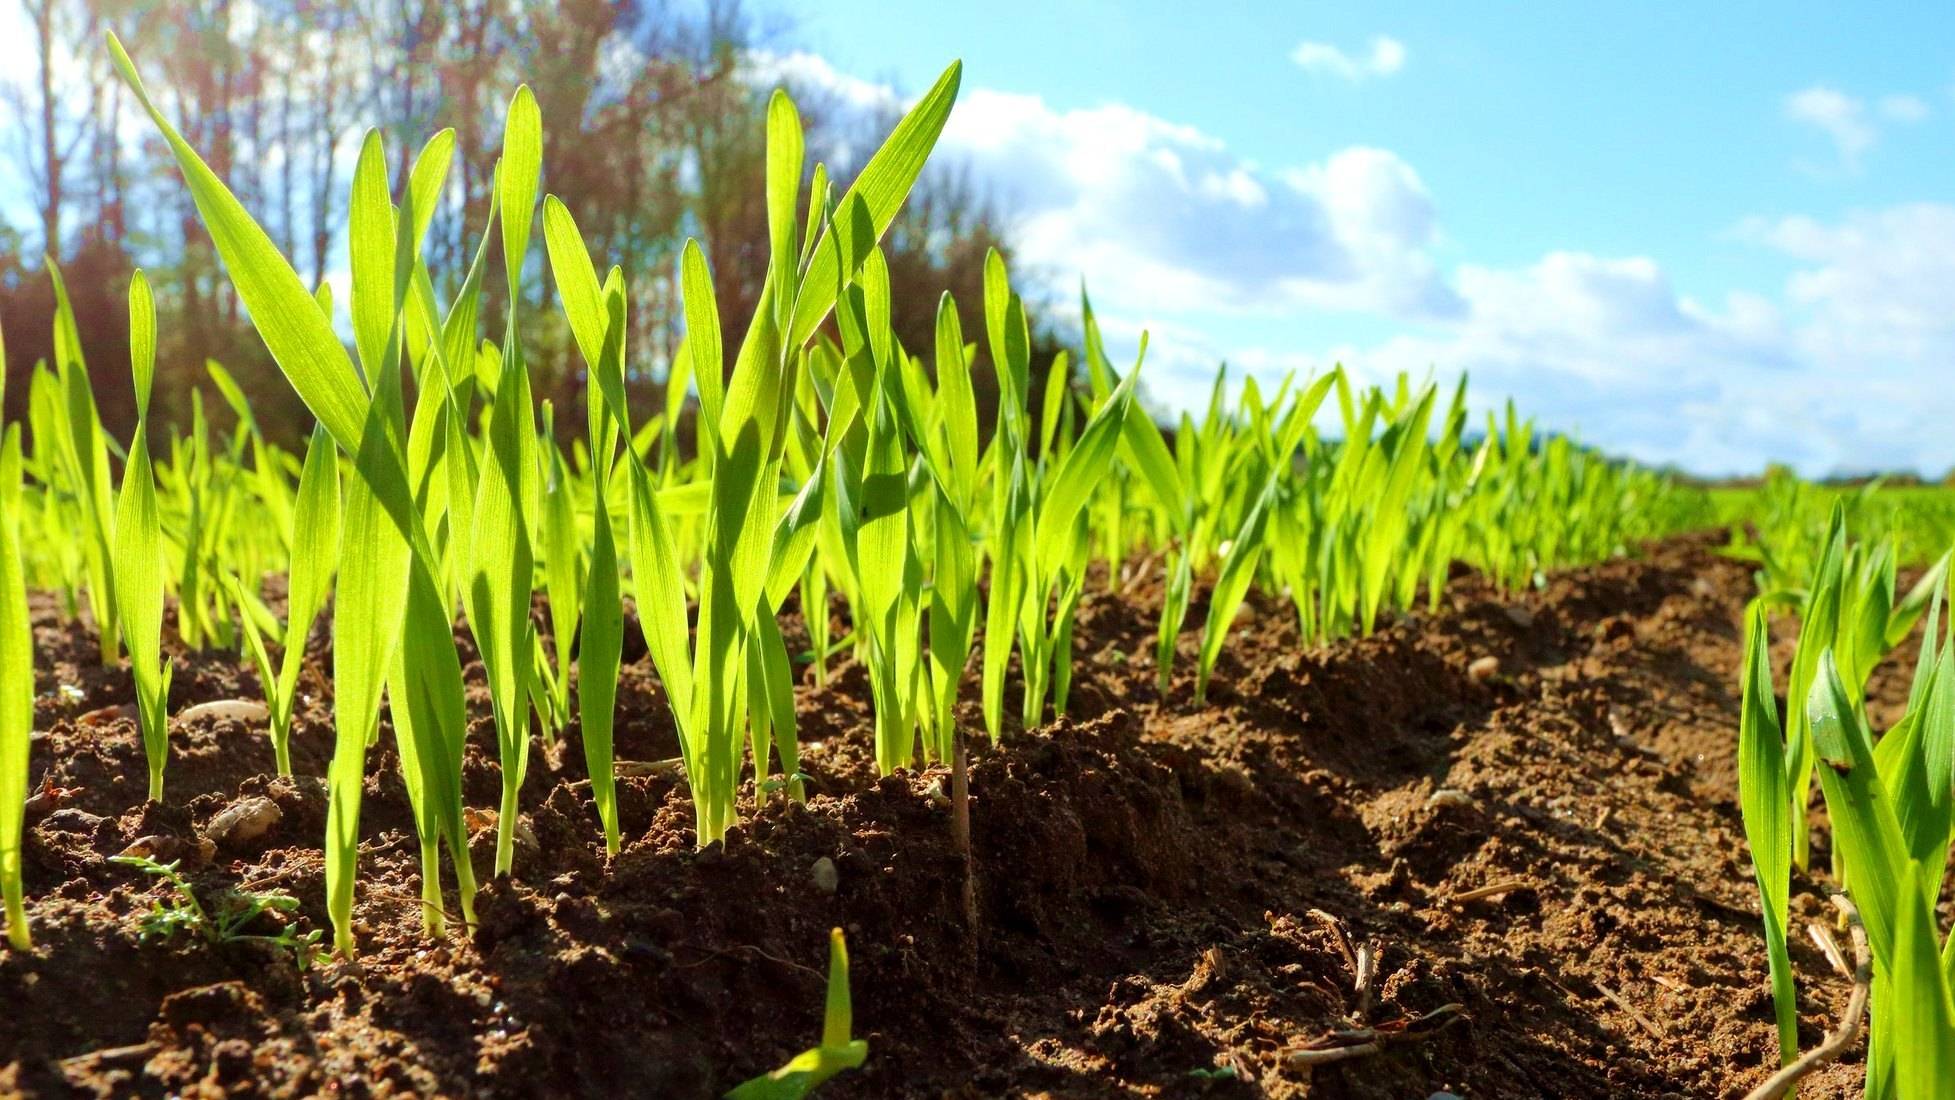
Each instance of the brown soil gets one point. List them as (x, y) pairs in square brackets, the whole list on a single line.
[(1159, 889)]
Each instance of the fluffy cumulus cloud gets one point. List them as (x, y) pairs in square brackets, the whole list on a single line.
[(1384, 57), (1849, 122), (1216, 256), (802, 69), (1878, 284), (1841, 117), (1164, 217), (1832, 374)]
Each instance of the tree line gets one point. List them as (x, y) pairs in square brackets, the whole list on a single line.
[(654, 115)]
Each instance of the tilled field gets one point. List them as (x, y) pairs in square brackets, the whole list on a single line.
[(1517, 818)]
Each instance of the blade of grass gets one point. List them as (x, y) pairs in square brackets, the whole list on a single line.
[(1767, 813), (837, 1052), (139, 553), (883, 185), (16, 692)]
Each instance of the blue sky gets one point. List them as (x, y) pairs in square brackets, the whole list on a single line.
[(1716, 236), (1710, 235)]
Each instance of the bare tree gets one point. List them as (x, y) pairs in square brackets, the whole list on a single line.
[(55, 133), (655, 125)]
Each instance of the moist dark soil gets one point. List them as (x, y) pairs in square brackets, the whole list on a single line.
[(1520, 811)]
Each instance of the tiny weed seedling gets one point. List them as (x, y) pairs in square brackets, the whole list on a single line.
[(231, 912)]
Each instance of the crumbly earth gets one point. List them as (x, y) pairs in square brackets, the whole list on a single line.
[(1161, 899)]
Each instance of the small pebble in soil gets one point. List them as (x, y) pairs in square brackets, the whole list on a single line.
[(244, 821), (1484, 668), (242, 710), (825, 876)]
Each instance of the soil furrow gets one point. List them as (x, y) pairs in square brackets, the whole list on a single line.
[(1523, 807)]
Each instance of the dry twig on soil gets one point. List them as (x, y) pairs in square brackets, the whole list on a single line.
[(1357, 1042), (1348, 1043), (1642, 1021), (1842, 1037), (1493, 890)]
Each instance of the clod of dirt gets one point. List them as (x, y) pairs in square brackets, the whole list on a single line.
[(1129, 917), (70, 819)]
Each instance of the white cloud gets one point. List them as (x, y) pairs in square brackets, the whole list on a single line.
[(1832, 376), (1219, 257), (802, 69), (1853, 126), (1163, 217), (1383, 217), (1878, 284), (1603, 346), (1385, 58), (1167, 217), (1842, 117), (1903, 108)]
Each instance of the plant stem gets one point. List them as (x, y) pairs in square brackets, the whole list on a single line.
[(432, 919), (506, 830)]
